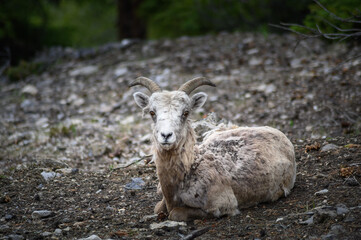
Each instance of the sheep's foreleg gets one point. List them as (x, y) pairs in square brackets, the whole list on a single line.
[(160, 207)]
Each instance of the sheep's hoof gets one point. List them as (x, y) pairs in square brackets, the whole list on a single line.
[(179, 214), (160, 207)]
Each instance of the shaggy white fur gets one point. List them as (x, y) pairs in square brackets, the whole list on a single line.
[(232, 169)]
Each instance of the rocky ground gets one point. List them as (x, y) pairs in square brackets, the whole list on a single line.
[(69, 135)]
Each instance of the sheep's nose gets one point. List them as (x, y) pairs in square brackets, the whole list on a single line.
[(166, 136)]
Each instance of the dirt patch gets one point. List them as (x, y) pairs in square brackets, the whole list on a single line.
[(83, 204), (77, 125)]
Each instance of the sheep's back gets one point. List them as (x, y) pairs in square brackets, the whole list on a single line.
[(258, 162)]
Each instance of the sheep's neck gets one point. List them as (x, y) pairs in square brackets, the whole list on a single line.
[(172, 166)]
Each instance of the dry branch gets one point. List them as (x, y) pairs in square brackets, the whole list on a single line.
[(341, 34)]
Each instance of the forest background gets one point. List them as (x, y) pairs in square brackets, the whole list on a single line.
[(29, 26)]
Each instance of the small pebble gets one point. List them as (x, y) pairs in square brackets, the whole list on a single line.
[(352, 182), (324, 191), (15, 237), (8, 217), (41, 214), (46, 234), (58, 232)]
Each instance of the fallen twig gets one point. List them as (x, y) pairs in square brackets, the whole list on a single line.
[(341, 35), (134, 162), (196, 233)]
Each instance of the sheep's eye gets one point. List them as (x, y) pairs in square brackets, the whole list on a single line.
[(152, 113), (185, 114)]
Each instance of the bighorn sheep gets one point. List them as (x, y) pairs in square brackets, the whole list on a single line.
[(231, 169)]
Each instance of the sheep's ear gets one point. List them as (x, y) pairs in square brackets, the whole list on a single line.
[(198, 100), (141, 99)]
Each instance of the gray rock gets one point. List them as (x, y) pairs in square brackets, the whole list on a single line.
[(321, 192), (167, 225), (87, 70), (110, 209), (4, 228), (46, 234), (120, 71), (8, 217), (150, 217), (49, 175), (15, 237), (341, 209), (308, 221), (58, 232), (351, 181), (328, 147), (29, 89), (42, 122), (324, 213), (41, 214), (92, 237), (349, 219), (66, 220), (99, 149), (29, 105), (336, 232), (337, 229), (135, 184)]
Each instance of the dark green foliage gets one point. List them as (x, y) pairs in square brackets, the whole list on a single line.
[(28, 25), (342, 8), (174, 18), (24, 69)]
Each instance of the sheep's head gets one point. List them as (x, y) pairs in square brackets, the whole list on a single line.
[(170, 109)]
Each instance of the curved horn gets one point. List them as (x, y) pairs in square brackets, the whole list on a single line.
[(191, 85), (146, 82)]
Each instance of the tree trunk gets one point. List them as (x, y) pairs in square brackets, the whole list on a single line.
[(128, 23)]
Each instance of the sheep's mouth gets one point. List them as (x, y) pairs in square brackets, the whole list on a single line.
[(166, 145)]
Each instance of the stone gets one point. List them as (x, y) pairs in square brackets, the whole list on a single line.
[(135, 184), (110, 209), (336, 232), (29, 105), (351, 181), (58, 232), (105, 108), (325, 213), (328, 147), (266, 88), (15, 237), (120, 71), (254, 61), (49, 175), (308, 221), (8, 217), (167, 225), (46, 234), (99, 149), (321, 192), (92, 237), (42, 123), (4, 228), (41, 214), (87, 70), (341, 209), (337, 229), (150, 217), (30, 89)]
